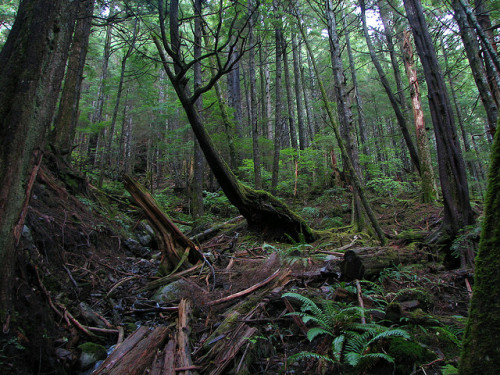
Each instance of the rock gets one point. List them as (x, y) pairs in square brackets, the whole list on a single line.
[(136, 248), (145, 240), (172, 292), (91, 353)]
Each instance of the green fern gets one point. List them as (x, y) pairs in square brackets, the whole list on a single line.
[(353, 342)]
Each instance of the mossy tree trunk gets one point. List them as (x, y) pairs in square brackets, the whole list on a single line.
[(481, 353), (32, 65), (261, 210)]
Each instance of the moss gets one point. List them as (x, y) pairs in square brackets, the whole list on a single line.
[(98, 351), (481, 353), (408, 354)]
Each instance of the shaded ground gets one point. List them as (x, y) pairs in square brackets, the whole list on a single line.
[(84, 277)]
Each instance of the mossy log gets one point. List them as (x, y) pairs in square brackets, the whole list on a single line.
[(173, 243), (367, 262)]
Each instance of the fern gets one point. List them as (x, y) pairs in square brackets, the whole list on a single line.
[(309, 355)]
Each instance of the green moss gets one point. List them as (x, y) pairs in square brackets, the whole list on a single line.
[(98, 351), (408, 354)]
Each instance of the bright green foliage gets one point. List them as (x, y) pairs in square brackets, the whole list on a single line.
[(354, 344)]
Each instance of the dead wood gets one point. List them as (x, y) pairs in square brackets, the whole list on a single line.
[(183, 329), (169, 278), (135, 354), (215, 229), (246, 291), (366, 263), (172, 242)]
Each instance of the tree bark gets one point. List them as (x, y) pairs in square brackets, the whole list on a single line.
[(63, 134), (480, 354), (471, 45), (252, 110), (426, 171), (32, 65), (298, 94), (344, 110), (278, 122), (454, 186), (392, 98)]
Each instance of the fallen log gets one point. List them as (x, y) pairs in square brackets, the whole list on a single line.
[(210, 232), (135, 354), (172, 242), (183, 350), (366, 263)]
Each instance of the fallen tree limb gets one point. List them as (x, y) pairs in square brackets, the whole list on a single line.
[(172, 242), (213, 230), (246, 291)]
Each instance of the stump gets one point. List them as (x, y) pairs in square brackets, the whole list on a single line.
[(367, 262)]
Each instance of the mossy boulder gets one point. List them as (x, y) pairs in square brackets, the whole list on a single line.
[(91, 353)]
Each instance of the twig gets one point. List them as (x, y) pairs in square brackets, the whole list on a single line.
[(360, 301), (295, 318), (122, 281), (469, 288), (246, 291)]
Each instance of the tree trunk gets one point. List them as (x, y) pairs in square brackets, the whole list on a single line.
[(480, 354), (392, 98), (98, 112), (252, 109), (343, 150), (426, 172), (471, 45), (196, 185), (261, 210), (357, 96), (289, 100), (278, 122), (106, 156), (298, 94), (63, 134), (344, 110), (454, 186), (32, 68)]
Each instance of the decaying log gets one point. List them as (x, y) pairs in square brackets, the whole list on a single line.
[(173, 243), (135, 354), (367, 262), (183, 350), (215, 229), (226, 341)]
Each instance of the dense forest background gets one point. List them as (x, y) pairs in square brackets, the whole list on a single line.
[(351, 112)]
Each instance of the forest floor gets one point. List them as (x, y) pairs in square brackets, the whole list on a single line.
[(87, 264)]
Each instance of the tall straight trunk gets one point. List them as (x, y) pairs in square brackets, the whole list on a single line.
[(343, 109), (357, 96), (308, 93), (392, 98), (99, 109), (269, 109), (289, 99), (343, 149), (278, 123), (252, 109), (32, 63), (196, 184), (426, 171), (108, 140), (234, 94), (453, 178), (471, 45), (298, 94), (483, 18), (63, 134), (475, 168)]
